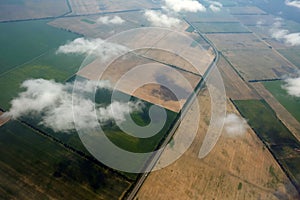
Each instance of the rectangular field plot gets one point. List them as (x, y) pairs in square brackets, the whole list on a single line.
[(220, 27), (274, 134), (237, 41), (292, 54), (247, 10), (291, 103), (49, 66), (259, 64), (256, 20), (33, 166), (209, 16), (80, 7), (236, 88), (90, 27), (30, 9), (24, 42)]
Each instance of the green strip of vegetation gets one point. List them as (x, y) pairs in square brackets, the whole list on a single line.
[(88, 21)]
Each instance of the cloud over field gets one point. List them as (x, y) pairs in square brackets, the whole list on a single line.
[(55, 103), (99, 47), (157, 18), (215, 6), (110, 20), (292, 86), (234, 125), (280, 34), (184, 5), (293, 3), (169, 15)]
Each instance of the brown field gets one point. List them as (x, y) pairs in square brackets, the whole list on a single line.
[(287, 119), (236, 88), (80, 7), (89, 27), (237, 168), (252, 20), (237, 41), (92, 30), (259, 64), (247, 10), (151, 73), (3, 120), (31, 9), (209, 16)]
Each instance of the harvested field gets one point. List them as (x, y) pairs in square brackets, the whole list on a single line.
[(256, 20), (287, 119), (278, 139), (237, 168), (210, 16), (31, 9), (153, 73), (246, 10), (236, 88), (259, 64), (80, 7), (221, 27), (94, 29), (159, 50), (237, 41)]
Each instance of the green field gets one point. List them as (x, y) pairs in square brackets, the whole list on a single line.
[(34, 167), (23, 41), (28, 51), (291, 103), (220, 27), (279, 140)]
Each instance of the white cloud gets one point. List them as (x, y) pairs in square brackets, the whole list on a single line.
[(235, 125), (157, 18), (292, 86), (99, 47), (280, 34), (110, 20), (293, 3), (215, 6), (184, 6), (55, 104)]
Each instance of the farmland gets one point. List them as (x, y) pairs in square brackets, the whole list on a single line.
[(34, 60), (30, 9), (17, 37), (221, 27), (34, 167), (289, 102), (279, 140), (237, 168)]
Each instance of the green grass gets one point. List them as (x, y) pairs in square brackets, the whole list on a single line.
[(222, 27), (274, 134), (88, 21), (291, 103), (29, 159), (240, 186), (24, 41)]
